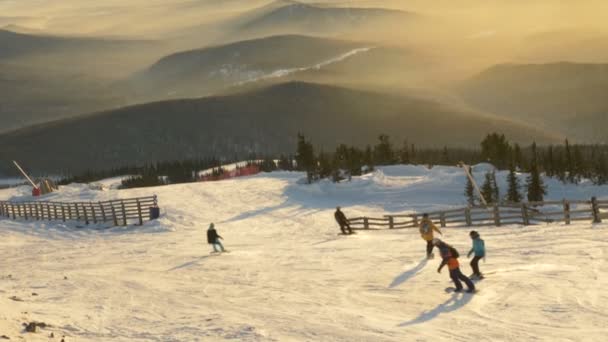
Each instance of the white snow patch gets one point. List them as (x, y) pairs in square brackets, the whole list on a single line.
[(289, 277)]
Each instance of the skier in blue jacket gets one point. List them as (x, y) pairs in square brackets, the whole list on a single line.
[(479, 249)]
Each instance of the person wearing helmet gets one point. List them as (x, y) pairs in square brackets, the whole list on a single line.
[(426, 228), (449, 256), (342, 221), (479, 249)]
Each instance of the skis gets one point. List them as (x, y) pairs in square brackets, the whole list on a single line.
[(453, 290)]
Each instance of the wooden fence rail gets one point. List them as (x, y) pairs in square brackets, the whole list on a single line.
[(529, 213), (118, 212)]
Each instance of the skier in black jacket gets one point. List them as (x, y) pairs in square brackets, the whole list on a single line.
[(213, 238), (342, 221)]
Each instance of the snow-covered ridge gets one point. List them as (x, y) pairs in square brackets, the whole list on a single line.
[(260, 76)]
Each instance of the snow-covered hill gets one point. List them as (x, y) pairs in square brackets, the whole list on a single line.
[(289, 277)]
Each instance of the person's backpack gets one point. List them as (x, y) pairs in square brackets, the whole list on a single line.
[(426, 227), (454, 252)]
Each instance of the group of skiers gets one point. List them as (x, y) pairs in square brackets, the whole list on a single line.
[(449, 255)]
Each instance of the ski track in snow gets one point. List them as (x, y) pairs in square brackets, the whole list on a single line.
[(287, 72), (290, 277)]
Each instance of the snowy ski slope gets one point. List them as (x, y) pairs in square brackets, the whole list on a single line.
[(290, 277)]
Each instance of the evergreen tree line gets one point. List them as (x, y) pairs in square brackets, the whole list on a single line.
[(567, 162), (347, 161), (535, 189)]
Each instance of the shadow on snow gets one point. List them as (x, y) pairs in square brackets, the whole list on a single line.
[(405, 276), (457, 301), (188, 264)]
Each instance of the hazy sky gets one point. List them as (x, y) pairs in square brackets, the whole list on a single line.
[(157, 17)]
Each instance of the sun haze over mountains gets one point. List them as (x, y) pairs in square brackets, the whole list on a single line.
[(539, 65)]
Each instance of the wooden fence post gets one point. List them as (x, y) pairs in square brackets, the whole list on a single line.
[(141, 219), (124, 213), (103, 212), (77, 212), (567, 212), (19, 210), (48, 209), (55, 211), (391, 222), (62, 212), (114, 213), (442, 219), (415, 217), (69, 211), (496, 215), (84, 211), (467, 216), (93, 212), (524, 214), (597, 218), (365, 223)]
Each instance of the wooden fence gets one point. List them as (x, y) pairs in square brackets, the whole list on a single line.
[(118, 212), (529, 213)]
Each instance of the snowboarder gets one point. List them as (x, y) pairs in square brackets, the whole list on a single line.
[(213, 238), (342, 221), (449, 256), (426, 232), (479, 249)]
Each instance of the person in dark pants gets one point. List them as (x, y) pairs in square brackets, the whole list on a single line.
[(342, 221), (479, 248), (426, 229), (213, 238), (449, 256)]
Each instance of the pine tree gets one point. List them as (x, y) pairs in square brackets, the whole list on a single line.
[(513, 194), (405, 153), (325, 166), (383, 152), (496, 149), (518, 158), (601, 170), (534, 184), (569, 162), (487, 189), (469, 190), (445, 157), (305, 158), (495, 190)]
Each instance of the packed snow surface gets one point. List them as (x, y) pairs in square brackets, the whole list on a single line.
[(289, 276)]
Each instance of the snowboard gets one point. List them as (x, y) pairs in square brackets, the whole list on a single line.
[(218, 253), (353, 233), (453, 290)]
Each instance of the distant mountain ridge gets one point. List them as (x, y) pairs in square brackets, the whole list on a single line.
[(571, 97), (263, 121), (16, 44), (200, 72)]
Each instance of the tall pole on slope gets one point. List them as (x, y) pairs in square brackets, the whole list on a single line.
[(25, 175), (467, 171)]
